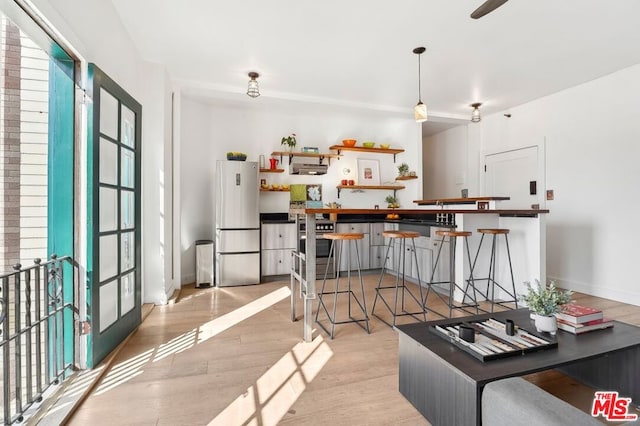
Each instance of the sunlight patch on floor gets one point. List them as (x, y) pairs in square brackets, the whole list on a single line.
[(220, 324), (133, 367), (273, 394)]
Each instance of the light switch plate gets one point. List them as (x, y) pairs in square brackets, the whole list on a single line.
[(549, 194)]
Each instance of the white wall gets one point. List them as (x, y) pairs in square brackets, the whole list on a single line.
[(445, 170), (590, 133), (255, 126)]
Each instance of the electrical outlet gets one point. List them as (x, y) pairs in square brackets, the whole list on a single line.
[(549, 194)]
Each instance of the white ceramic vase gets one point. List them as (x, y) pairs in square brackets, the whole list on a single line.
[(546, 323)]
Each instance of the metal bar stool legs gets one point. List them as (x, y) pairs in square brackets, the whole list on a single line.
[(349, 239), (453, 235), (400, 288), (491, 276)]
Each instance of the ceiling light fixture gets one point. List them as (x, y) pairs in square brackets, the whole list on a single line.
[(420, 110), (253, 90), (475, 115)]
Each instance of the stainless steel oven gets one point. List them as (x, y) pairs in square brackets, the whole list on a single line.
[(323, 247)]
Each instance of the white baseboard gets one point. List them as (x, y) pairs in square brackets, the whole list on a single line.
[(632, 298)]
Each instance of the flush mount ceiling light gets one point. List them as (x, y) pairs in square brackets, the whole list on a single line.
[(253, 90), (475, 115), (420, 110)]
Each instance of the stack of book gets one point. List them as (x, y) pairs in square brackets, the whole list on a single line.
[(578, 319)]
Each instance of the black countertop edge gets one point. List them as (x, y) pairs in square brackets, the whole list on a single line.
[(275, 218), (519, 215), (275, 221)]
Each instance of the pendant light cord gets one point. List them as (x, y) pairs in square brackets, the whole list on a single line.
[(419, 80)]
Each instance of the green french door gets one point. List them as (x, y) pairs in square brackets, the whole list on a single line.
[(114, 237)]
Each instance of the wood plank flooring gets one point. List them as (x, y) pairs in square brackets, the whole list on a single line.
[(232, 356)]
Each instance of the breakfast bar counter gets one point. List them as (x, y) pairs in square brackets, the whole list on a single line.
[(527, 244)]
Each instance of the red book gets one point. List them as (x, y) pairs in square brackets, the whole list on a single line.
[(585, 327), (578, 314)]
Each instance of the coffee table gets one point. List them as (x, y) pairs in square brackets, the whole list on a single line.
[(445, 383)]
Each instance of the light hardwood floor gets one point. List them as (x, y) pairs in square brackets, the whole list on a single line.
[(232, 356)]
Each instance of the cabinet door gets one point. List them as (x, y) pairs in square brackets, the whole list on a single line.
[(376, 230), (423, 266), (363, 250), (276, 262), (362, 228), (278, 235), (376, 257), (441, 272)]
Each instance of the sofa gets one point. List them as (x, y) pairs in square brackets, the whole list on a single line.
[(517, 402)]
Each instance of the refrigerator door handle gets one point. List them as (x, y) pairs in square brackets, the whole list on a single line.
[(237, 179)]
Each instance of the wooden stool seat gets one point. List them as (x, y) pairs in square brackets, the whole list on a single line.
[(493, 231), (453, 233), (343, 236), (400, 234)]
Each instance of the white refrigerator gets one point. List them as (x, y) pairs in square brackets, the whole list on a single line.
[(237, 224)]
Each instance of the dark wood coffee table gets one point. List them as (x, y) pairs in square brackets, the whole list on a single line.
[(445, 384)]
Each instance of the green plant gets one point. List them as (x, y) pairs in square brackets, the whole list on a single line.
[(392, 201), (403, 169), (290, 140), (545, 300)]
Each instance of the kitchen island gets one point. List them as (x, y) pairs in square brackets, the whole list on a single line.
[(527, 243)]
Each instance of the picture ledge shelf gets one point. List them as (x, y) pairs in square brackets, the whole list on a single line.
[(393, 188)]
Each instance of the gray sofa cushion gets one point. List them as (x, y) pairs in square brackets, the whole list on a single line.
[(515, 401)]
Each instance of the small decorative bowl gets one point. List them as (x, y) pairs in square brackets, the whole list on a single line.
[(349, 142), (384, 145), (368, 144)]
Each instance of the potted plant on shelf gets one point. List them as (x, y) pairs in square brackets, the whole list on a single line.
[(544, 302), (289, 141), (392, 202), (403, 169)]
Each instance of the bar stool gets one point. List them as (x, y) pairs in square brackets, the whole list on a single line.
[(350, 239), (453, 236), (491, 277), (403, 236)]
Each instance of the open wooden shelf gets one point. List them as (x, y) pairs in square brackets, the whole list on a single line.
[(271, 170), (274, 190), (393, 188), (406, 177), (320, 156), (392, 151)]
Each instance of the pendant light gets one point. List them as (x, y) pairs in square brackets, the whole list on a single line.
[(420, 110), (253, 90), (475, 114)]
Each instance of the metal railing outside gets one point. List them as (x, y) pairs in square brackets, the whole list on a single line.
[(34, 318)]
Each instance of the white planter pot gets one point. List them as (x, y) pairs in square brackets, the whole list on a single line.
[(546, 323)]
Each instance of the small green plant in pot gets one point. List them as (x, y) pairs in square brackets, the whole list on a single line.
[(392, 202), (403, 169), (544, 302), (289, 141)]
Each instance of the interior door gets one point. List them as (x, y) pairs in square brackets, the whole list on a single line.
[(114, 266), (514, 174)]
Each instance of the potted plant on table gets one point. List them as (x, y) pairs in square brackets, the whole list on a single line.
[(544, 302)]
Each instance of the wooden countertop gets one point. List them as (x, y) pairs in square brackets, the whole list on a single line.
[(418, 211), (469, 200)]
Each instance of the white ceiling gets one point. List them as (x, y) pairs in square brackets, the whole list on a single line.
[(359, 52)]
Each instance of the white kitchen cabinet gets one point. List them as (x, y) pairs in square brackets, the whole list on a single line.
[(376, 230), (376, 257), (278, 236), (278, 239), (276, 262), (363, 245)]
